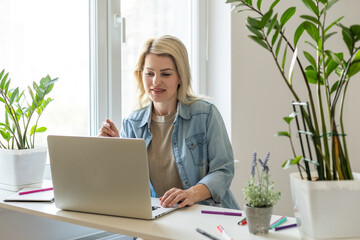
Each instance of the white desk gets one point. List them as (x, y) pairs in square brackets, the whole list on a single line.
[(180, 224)]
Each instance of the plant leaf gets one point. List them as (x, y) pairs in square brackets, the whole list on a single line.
[(331, 3), (13, 96), (312, 30), (354, 69), (291, 162), (274, 4), (334, 57), (41, 129), (254, 23), (299, 31), (284, 58), (278, 46), (313, 77), (3, 80), (311, 59), (272, 23), (276, 34), (347, 37), (312, 19), (333, 23), (286, 16), (312, 6), (259, 41), (7, 84), (334, 87), (265, 19), (282, 134), (259, 4), (327, 36), (255, 31)]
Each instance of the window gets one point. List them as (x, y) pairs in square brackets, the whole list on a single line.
[(148, 19), (43, 37)]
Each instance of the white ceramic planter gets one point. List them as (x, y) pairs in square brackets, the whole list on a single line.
[(22, 168), (327, 209)]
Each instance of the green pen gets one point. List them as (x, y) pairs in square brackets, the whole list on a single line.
[(282, 220)]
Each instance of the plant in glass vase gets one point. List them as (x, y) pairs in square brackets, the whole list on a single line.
[(260, 196)]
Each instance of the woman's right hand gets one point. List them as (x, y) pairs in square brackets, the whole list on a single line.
[(108, 129)]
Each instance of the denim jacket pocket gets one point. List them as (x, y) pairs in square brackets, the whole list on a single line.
[(198, 148)]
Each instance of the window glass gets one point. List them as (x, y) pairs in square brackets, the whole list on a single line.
[(41, 37), (148, 19)]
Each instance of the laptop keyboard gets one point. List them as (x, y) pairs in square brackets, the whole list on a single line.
[(154, 207)]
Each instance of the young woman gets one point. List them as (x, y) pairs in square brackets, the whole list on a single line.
[(189, 152)]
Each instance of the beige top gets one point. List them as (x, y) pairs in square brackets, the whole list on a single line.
[(162, 167)]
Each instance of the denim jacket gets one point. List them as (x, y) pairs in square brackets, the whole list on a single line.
[(201, 147)]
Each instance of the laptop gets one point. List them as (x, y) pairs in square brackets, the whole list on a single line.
[(102, 175)]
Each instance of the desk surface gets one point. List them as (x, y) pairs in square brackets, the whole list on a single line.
[(180, 224)]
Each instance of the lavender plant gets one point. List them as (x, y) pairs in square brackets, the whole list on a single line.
[(259, 192)]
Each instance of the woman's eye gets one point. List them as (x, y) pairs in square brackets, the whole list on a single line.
[(148, 74), (166, 74)]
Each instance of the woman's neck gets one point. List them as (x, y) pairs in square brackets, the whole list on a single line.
[(162, 109)]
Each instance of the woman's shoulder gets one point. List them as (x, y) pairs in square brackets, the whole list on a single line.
[(199, 106)]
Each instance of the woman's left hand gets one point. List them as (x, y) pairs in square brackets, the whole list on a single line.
[(185, 197)]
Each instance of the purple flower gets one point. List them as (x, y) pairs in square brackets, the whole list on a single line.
[(264, 164), (253, 165)]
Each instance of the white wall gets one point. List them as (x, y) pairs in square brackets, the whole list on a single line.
[(259, 98)]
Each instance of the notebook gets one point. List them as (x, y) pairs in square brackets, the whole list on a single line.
[(44, 196), (102, 175)]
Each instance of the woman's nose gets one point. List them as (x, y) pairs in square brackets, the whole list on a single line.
[(156, 80)]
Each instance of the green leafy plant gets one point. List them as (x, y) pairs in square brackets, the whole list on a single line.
[(16, 130), (259, 192), (325, 73)]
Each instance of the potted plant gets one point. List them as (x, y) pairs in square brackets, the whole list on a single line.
[(21, 163), (260, 197), (325, 74)]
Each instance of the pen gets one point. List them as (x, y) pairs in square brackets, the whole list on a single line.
[(224, 233), (278, 222), (221, 213), (35, 191), (242, 220), (206, 234), (285, 227), (243, 223)]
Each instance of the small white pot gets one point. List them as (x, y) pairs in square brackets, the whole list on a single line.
[(22, 168), (327, 209)]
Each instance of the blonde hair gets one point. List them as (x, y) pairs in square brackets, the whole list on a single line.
[(172, 47)]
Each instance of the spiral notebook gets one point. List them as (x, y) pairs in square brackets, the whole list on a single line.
[(46, 196)]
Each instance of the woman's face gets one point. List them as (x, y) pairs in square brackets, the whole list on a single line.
[(161, 80)]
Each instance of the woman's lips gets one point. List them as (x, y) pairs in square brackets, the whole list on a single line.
[(157, 90)]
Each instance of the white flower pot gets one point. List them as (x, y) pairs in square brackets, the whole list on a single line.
[(22, 168), (327, 209)]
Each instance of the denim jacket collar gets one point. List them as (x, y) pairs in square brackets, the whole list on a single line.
[(182, 110)]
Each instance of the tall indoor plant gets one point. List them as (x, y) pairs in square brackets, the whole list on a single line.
[(325, 74), (21, 164), (330, 72)]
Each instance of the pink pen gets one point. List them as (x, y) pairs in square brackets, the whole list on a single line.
[(35, 191), (225, 234)]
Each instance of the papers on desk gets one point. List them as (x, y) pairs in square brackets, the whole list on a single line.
[(43, 196)]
